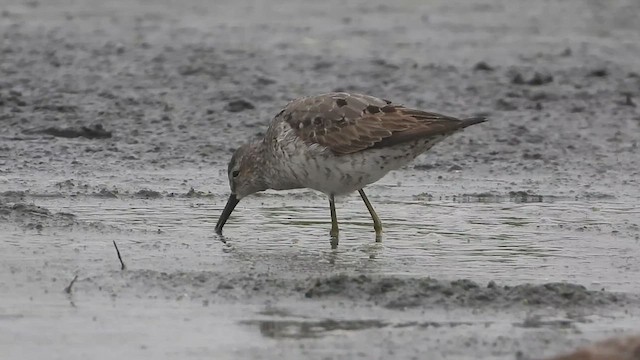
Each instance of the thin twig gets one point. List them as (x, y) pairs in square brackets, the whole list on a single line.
[(68, 288), (119, 257)]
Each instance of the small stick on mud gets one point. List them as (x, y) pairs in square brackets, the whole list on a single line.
[(119, 257), (68, 288)]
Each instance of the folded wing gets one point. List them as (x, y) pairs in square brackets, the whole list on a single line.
[(347, 123)]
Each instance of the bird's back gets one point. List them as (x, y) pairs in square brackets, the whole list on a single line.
[(347, 123)]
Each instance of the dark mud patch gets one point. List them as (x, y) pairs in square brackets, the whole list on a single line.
[(148, 194), (12, 98), (106, 193), (12, 196), (524, 196), (388, 292), (536, 322), (29, 216), (33, 217), (90, 132), (295, 329), (68, 189), (512, 196), (239, 105), (194, 285), (192, 193), (536, 79), (483, 66), (152, 194), (599, 72), (306, 328), (399, 293), (491, 197), (594, 195)]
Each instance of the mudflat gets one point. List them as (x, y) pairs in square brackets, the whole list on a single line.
[(517, 238)]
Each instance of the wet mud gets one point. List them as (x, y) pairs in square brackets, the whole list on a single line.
[(517, 238)]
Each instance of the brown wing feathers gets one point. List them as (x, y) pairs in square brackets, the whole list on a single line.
[(348, 123)]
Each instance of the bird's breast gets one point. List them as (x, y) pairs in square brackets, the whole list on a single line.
[(315, 167)]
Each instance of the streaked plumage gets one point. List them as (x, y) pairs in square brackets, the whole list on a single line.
[(335, 143), (348, 123)]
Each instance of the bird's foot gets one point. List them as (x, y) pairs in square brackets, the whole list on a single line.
[(378, 228), (334, 238)]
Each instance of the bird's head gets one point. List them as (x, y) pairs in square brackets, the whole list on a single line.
[(245, 178)]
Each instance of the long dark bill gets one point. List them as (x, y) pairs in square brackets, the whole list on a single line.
[(228, 209)]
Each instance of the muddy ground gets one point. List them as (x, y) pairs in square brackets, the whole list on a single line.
[(518, 238)]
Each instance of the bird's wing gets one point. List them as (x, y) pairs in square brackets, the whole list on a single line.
[(347, 123)]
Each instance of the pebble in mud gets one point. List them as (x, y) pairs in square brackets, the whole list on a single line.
[(483, 66), (239, 105), (536, 80)]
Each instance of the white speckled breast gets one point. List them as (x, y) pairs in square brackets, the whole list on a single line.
[(296, 165)]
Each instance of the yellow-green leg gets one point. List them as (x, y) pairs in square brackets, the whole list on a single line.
[(334, 223), (377, 225)]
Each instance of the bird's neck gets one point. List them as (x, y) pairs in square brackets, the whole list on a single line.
[(274, 169)]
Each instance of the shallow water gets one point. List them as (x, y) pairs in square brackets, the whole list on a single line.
[(511, 238), (490, 236)]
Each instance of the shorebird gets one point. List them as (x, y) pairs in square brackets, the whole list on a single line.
[(335, 143)]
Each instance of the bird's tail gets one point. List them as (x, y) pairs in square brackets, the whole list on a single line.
[(472, 121)]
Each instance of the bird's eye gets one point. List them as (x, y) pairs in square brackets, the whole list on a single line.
[(235, 173)]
